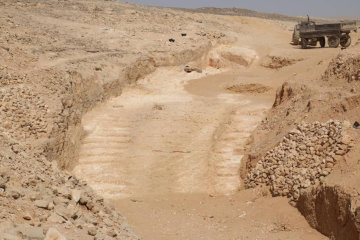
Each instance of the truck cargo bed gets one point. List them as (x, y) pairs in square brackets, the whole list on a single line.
[(312, 29)]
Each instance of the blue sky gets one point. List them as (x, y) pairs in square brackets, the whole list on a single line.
[(319, 8)]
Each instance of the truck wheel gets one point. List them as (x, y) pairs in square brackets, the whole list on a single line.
[(345, 40), (322, 42), (295, 39), (334, 41), (303, 43)]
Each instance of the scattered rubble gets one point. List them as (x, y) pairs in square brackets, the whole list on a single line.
[(43, 197)]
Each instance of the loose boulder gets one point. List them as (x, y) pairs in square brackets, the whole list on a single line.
[(53, 234)]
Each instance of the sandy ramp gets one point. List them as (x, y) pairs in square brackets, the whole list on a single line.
[(162, 137)]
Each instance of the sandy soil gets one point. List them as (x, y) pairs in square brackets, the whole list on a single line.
[(95, 90), (245, 215)]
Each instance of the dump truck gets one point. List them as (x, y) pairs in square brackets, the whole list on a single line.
[(309, 33)]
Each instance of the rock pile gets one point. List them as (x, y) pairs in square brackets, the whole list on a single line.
[(345, 67), (304, 158), (23, 112), (35, 197)]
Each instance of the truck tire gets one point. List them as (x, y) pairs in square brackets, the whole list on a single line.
[(333, 41), (322, 42), (303, 43), (295, 39), (345, 41)]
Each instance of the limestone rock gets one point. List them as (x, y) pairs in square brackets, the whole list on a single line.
[(54, 218), (76, 195), (92, 231), (7, 236), (42, 204), (27, 216), (53, 234), (30, 232)]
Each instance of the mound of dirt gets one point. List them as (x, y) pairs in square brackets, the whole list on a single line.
[(239, 55), (343, 67), (251, 88), (277, 62)]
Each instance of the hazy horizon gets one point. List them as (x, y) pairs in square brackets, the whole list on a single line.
[(315, 8)]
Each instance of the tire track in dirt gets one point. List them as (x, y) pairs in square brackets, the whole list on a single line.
[(100, 153), (230, 146)]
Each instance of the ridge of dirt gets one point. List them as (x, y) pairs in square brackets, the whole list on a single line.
[(245, 13), (276, 62), (251, 88)]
